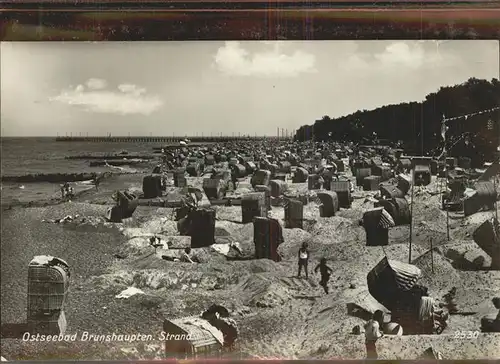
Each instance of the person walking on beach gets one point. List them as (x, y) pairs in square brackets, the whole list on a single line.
[(96, 181), (325, 272), (373, 333), (303, 259)]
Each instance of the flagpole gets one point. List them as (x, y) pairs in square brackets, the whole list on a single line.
[(411, 212), (496, 174), (446, 179)]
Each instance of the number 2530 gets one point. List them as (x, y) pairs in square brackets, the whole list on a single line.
[(466, 335)]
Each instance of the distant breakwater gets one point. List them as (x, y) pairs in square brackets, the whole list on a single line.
[(54, 177), (171, 139), (129, 162), (110, 157)]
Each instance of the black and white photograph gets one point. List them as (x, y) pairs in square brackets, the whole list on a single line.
[(250, 200)]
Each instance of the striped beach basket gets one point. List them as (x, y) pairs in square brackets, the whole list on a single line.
[(343, 191), (180, 178), (389, 278), (48, 284)]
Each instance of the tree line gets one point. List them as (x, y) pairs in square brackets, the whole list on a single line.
[(416, 126)]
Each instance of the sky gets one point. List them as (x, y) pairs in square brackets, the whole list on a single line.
[(202, 88)]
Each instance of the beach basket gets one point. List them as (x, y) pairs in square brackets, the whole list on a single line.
[(127, 202), (314, 182), (484, 197), (385, 173), (421, 175), (375, 161), (487, 237), (434, 167), (260, 177), (273, 168), (301, 175), (343, 191), (278, 187), (404, 183), (114, 214), (151, 186), (389, 278), (339, 164), (193, 169), (280, 177), (404, 165), (371, 183), (194, 340), (268, 235), (285, 167), (209, 160), (202, 227), (388, 190), (180, 178), (361, 174), (239, 170), (214, 188), (267, 194), (48, 284), (376, 223), (330, 203), (294, 214), (250, 167), (398, 208), (253, 205)]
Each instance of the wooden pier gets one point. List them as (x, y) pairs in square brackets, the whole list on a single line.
[(164, 139)]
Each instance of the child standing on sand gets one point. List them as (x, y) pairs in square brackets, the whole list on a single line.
[(325, 271), (303, 259), (373, 333)]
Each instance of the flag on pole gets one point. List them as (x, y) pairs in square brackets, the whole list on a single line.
[(444, 129)]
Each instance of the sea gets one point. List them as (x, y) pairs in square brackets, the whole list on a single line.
[(22, 156)]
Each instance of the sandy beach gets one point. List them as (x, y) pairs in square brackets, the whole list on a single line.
[(272, 308)]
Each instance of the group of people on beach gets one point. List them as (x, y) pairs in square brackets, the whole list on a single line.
[(323, 269), (373, 330)]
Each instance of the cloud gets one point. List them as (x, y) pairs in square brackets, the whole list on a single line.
[(125, 99), (131, 89), (233, 59), (401, 54), (96, 84)]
